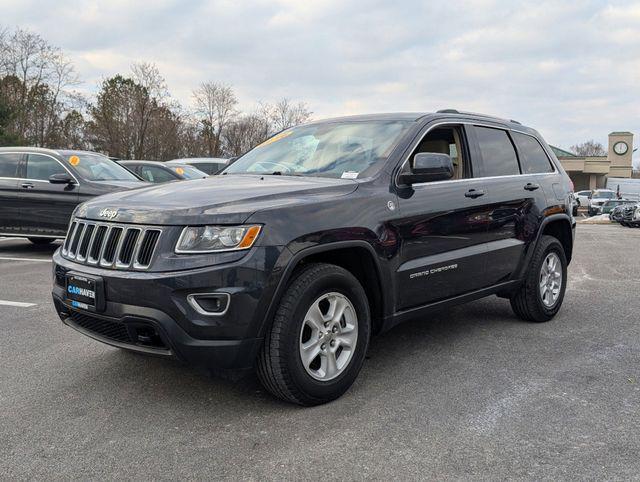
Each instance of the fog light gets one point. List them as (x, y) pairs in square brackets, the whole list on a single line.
[(210, 304)]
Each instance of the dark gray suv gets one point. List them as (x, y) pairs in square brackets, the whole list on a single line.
[(324, 235)]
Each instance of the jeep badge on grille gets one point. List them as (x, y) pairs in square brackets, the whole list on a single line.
[(108, 213)]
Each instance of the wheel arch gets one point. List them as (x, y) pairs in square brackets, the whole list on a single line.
[(357, 256), (559, 226)]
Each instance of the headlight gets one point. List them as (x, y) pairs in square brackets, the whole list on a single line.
[(212, 239), (637, 214)]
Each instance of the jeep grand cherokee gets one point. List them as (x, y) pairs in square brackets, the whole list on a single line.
[(318, 238)]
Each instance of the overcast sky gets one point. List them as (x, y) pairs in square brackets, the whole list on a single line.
[(571, 69)]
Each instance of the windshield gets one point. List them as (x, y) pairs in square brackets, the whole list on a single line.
[(603, 194), (188, 172), (345, 150), (96, 167)]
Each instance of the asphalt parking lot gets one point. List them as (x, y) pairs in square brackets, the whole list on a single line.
[(471, 393)]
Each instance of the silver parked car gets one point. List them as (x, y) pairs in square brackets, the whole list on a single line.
[(210, 165), (158, 172)]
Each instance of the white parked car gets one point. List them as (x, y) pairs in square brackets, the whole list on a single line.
[(582, 197), (598, 198)]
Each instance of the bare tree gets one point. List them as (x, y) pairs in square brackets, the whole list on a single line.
[(215, 107), (589, 148), (245, 133), (285, 114), (149, 102), (41, 76), (130, 116)]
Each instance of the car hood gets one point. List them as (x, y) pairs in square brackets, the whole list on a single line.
[(229, 199)]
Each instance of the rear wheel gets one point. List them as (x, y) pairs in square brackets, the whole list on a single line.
[(41, 241), (316, 345), (542, 292)]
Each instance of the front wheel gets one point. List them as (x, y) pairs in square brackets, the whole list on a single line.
[(317, 342), (541, 294)]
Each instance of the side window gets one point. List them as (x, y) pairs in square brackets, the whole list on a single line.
[(42, 167), (9, 165), (446, 140), (498, 154), (155, 174), (533, 159)]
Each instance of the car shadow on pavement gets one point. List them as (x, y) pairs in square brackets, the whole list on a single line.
[(26, 248), (417, 344)]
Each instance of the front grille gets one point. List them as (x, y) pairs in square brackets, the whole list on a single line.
[(149, 241), (106, 328), (111, 245)]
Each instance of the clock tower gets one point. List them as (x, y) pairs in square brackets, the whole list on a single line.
[(620, 154)]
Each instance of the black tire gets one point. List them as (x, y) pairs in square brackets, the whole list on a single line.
[(41, 241), (279, 367), (527, 302)]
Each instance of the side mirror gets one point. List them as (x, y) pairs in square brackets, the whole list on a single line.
[(429, 166), (62, 178)]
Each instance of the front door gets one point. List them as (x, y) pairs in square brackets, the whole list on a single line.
[(47, 207), (442, 228)]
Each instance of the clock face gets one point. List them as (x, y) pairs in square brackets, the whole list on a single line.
[(620, 148)]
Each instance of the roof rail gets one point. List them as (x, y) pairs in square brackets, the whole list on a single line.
[(456, 111)]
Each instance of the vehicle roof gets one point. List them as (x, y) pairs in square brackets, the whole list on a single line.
[(188, 160), (425, 116), (140, 161), (44, 150)]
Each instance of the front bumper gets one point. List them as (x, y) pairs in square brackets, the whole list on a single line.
[(149, 311)]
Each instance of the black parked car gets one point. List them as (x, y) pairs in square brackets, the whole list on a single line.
[(159, 172), (40, 188), (317, 239)]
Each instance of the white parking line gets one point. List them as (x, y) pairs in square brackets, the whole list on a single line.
[(5, 258), (19, 304)]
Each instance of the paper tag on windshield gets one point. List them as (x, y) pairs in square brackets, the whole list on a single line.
[(349, 175)]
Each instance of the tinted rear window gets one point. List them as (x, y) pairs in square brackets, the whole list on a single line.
[(9, 165), (498, 155), (208, 168), (533, 159)]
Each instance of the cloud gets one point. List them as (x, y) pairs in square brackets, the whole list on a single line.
[(569, 69)]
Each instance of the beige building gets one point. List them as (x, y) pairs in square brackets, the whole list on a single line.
[(591, 172)]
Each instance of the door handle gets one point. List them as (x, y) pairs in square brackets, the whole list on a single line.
[(27, 185), (530, 186), (474, 193)]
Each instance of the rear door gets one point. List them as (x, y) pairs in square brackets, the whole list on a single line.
[(9, 194), (442, 227), (516, 197), (46, 207)]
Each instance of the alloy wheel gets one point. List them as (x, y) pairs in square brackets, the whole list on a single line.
[(328, 336)]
